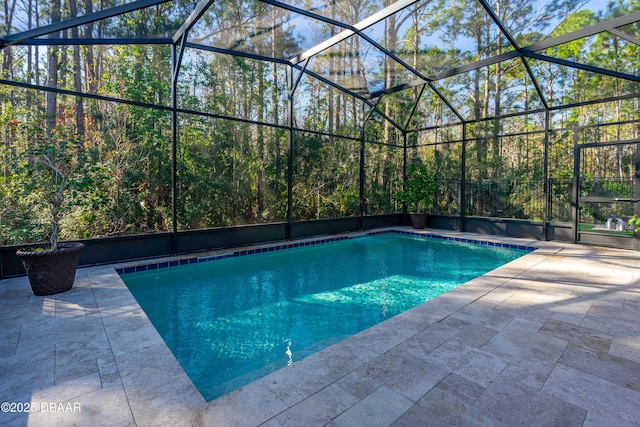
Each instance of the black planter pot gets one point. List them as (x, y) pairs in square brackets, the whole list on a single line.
[(418, 220), (51, 272)]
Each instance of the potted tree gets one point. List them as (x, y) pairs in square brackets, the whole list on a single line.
[(51, 168), (418, 193)]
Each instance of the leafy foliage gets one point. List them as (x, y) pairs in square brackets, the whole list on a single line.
[(232, 148), (51, 171), (419, 187)]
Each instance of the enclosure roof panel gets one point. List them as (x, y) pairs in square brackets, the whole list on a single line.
[(502, 88), (431, 111), (159, 21), (22, 16), (60, 20), (360, 67), (433, 36), (461, 49), (534, 21), (355, 28), (399, 106), (255, 27), (565, 85), (347, 12), (603, 50)]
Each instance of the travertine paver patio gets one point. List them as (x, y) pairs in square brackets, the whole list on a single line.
[(552, 338)]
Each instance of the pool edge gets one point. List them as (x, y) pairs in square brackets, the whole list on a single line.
[(165, 262)]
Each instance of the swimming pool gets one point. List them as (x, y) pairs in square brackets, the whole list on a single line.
[(232, 321)]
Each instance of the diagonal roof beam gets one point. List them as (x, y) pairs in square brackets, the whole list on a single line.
[(177, 61), (392, 56), (475, 65), (80, 20), (625, 36), (322, 46), (496, 19), (373, 109), (333, 84), (417, 83), (387, 118), (362, 25), (93, 42), (191, 20), (351, 30), (446, 101), (398, 88), (307, 13), (83, 95), (536, 83), (347, 27), (585, 32), (415, 107), (589, 68), (223, 51), (295, 83), (354, 94)]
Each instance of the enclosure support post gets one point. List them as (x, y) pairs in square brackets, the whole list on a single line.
[(404, 168), (575, 212), (463, 176), (546, 214), (636, 195), (365, 118), (362, 159), (176, 62), (291, 89), (174, 151), (292, 84)]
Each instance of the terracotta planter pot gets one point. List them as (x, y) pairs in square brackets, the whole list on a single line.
[(418, 220), (51, 272)]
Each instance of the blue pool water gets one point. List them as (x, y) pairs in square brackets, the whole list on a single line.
[(234, 320)]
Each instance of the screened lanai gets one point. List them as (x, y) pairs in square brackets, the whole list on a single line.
[(200, 125)]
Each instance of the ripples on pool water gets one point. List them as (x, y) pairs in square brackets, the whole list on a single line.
[(232, 321)]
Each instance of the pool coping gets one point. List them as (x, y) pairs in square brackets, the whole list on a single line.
[(140, 382), (123, 272), (266, 397)]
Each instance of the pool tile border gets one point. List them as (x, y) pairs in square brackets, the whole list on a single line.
[(279, 247), (457, 239)]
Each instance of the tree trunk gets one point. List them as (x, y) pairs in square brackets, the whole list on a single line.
[(77, 77), (274, 93), (91, 65), (7, 53), (392, 37), (497, 106), (30, 71), (52, 72)]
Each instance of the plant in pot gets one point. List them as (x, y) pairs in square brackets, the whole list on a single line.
[(51, 168), (418, 193)]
